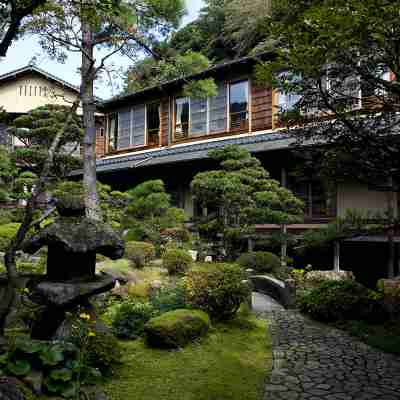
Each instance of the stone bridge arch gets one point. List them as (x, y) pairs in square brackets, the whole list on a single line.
[(284, 292)]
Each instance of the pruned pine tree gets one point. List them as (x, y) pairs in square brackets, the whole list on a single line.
[(45, 132), (239, 195), (98, 29)]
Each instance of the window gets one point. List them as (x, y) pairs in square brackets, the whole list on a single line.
[(182, 108), (124, 129), (218, 114), (113, 132), (138, 125), (20, 90), (319, 200), (238, 105), (153, 123), (198, 117)]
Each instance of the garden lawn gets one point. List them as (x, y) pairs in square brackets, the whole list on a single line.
[(231, 363)]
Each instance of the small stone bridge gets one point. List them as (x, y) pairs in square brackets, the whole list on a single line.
[(284, 292)]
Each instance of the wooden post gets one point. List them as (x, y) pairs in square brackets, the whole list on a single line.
[(283, 227), (250, 244), (336, 259)]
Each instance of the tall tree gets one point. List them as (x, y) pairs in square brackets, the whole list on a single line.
[(152, 72), (206, 34), (339, 62), (126, 26), (12, 13)]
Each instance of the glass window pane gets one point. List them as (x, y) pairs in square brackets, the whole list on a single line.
[(181, 118), (139, 124), (238, 105), (124, 129), (112, 132), (153, 123), (218, 116), (198, 117)]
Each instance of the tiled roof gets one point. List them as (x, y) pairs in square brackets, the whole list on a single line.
[(33, 68), (255, 142)]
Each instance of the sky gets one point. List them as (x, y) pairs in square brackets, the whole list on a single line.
[(23, 51)]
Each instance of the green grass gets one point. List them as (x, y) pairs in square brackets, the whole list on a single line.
[(385, 337), (231, 363)]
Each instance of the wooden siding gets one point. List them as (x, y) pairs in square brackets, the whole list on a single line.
[(165, 122), (261, 108), (100, 140)]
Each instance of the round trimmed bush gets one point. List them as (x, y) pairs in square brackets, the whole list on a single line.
[(177, 261), (260, 261), (176, 328), (7, 232), (103, 351), (130, 319), (218, 289), (342, 300), (139, 253)]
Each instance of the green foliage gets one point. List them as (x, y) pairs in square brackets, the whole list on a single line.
[(103, 352), (207, 33), (57, 361), (342, 300), (176, 328), (218, 289), (148, 200), (8, 171), (239, 195), (151, 72), (149, 213), (7, 232), (260, 261), (139, 253), (37, 130), (176, 261), (351, 45), (168, 298), (130, 318)]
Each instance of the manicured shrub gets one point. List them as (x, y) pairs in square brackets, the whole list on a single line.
[(218, 289), (139, 253), (130, 318), (342, 300), (260, 261), (7, 232), (177, 261), (168, 299), (139, 289), (103, 351), (176, 328)]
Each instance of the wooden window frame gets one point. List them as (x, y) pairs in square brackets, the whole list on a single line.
[(228, 105), (146, 141)]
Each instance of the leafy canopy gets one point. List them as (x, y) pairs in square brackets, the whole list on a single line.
[(242, 194)]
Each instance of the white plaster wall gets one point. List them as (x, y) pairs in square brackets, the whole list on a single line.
[(352, 195), (14, 102)]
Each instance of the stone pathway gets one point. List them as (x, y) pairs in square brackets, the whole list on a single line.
[(264, 304), (316, 362)]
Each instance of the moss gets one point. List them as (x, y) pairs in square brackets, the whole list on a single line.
[(176, 328), (230, 363)]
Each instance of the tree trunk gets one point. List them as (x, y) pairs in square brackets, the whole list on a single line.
[(10, 297), (390, 234), (89, 124)]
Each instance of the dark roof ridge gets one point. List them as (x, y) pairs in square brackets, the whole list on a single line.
[(197, 75)]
